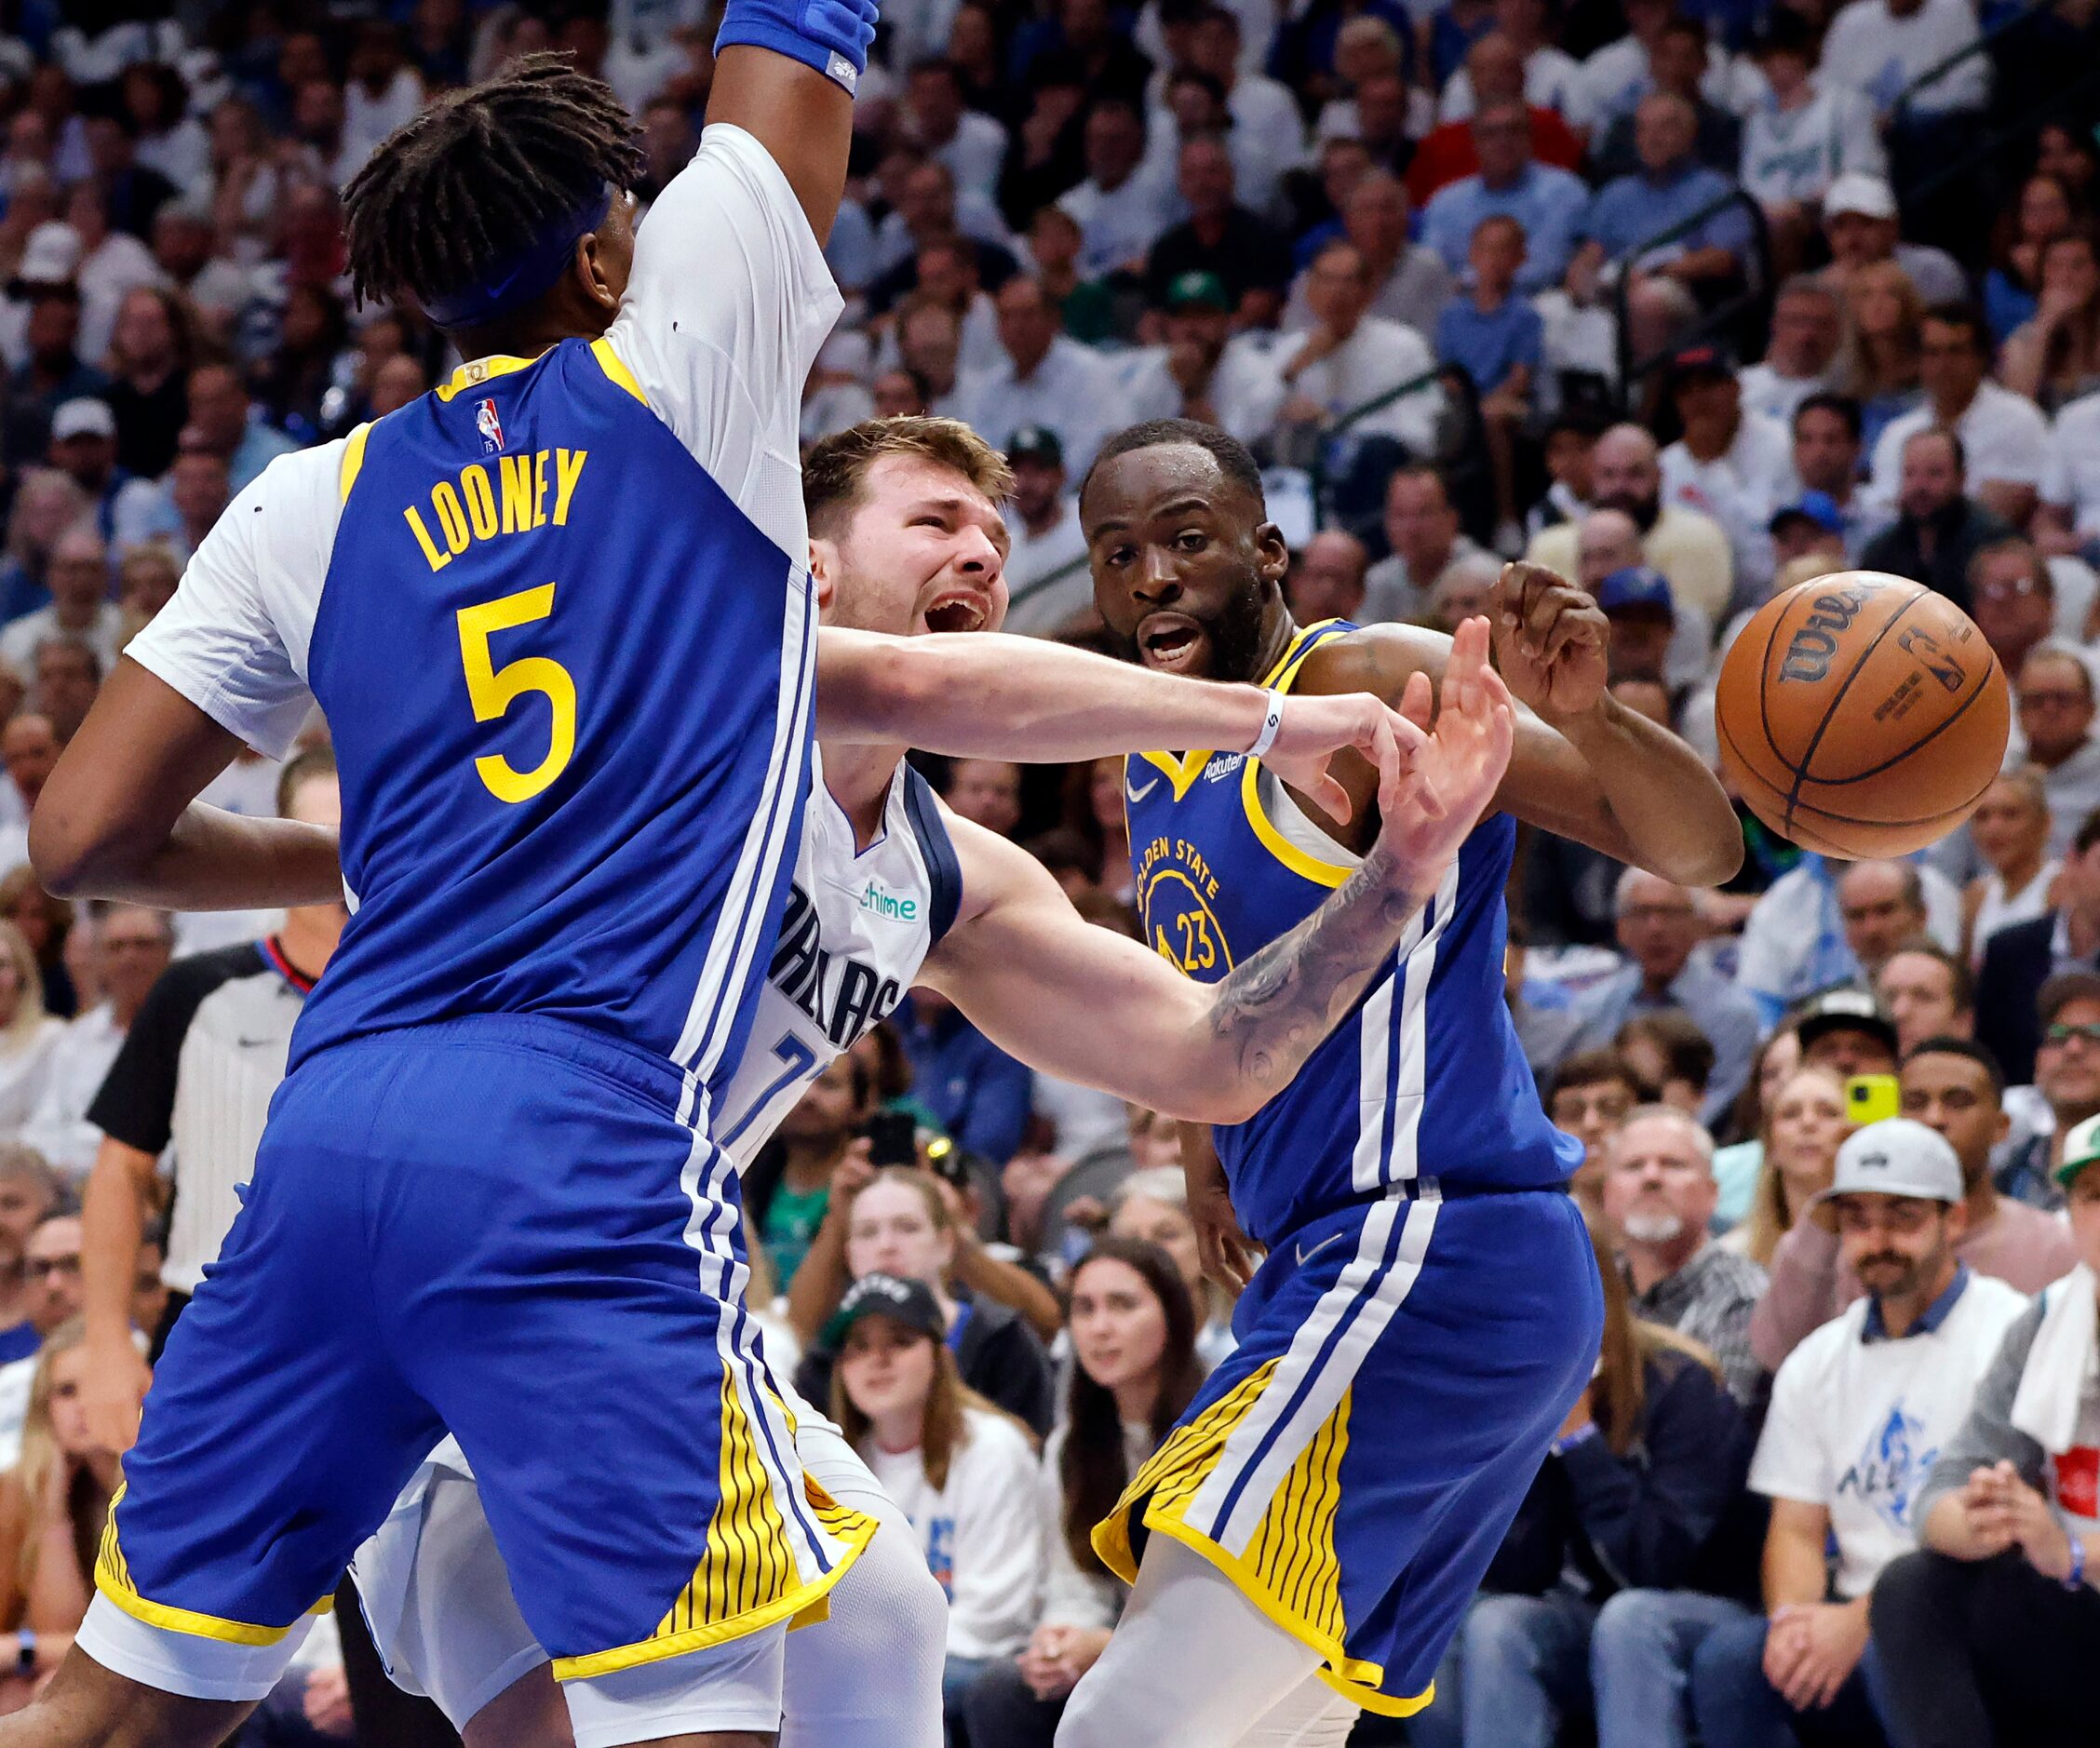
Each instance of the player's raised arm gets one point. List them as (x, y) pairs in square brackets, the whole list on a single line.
[(1586, 766), (985, 695), (1088, 1004), (785, 73)]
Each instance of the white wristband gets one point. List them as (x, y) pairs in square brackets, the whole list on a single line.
[(1270, 724)]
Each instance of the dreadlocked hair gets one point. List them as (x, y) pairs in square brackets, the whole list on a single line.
[(449, 196)]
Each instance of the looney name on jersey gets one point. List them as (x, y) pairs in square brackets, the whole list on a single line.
[(844, 996), (510, 500)]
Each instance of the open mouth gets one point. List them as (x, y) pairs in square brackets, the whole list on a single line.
[(1170, 641), (956, 612)]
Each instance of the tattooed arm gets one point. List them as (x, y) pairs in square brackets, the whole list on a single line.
[(1087, 1004)]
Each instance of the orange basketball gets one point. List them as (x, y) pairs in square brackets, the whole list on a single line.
[(1861, 714)]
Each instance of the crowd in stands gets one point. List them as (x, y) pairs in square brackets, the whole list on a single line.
[(1689, 300)]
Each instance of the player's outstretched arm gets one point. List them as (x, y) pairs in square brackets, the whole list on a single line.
[(1088, 1004), (785, 73), (985, 695), (117, 818), (1586, 767)]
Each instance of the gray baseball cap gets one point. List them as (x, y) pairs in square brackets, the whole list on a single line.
[(1896, 1157)]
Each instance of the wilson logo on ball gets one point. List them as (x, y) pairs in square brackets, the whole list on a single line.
[(1810, 648)]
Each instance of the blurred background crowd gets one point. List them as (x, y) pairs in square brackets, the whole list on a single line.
[(1691, 300)]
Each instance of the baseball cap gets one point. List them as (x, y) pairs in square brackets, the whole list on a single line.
[(1855, 191), (910, 1303), (51, 256), (1695, 362), (1819, 508), (1196, 286), (1036, 443), (83, 416), (1839, 1010), (2081, 1148), (1896, 1157), (1635, 586)]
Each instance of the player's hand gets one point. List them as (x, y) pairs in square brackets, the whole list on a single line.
[(1314, 728), (113, 1386), (1551, 641), (1230, 1257), (1428, 803)]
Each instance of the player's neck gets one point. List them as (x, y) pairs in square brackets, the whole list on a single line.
[(858, 779), (1275, 639)]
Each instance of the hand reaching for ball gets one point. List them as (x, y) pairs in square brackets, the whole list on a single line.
[(1551, 641)]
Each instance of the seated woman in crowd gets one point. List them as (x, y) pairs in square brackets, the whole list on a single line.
[(2053, 357), (1803, 1126), (1639, 1520), (899, 1221), (1133, 1333), (2013, 286), (47, 925), (1885, 318), (963, 1471), (1152, 1207), (2010, 830), (27, 1033), (53, 1505)]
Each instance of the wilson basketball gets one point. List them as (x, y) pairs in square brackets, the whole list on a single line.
[(1861, 714)]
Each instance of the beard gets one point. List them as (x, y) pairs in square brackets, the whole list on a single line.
[(1235, 632), (1645, 511), (1653, 1229)]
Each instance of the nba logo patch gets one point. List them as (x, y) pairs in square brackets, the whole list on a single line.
[(490, 428)]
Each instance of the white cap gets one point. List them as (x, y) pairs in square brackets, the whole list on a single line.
[(1855, 191), (83, 416), (1896, 1157), (52, 254)]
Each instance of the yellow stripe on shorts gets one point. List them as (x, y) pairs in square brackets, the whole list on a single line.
[(113, 1578)]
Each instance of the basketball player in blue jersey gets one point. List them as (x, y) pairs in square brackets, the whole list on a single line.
[(558, 616), (1428, 1310), (905, 530)]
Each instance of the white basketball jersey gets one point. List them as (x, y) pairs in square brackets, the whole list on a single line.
[(857, 929)]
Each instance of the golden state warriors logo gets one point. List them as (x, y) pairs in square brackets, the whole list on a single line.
[(1176, 890)]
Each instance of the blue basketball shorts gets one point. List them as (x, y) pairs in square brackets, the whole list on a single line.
[(498, 1228), (1354, 1465)]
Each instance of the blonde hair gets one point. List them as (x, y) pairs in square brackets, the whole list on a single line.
[(836, 468), (1863, 373), (28, 1005), (41, 1457), (1771, 1217)]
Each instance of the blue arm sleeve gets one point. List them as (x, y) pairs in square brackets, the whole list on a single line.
[(831, 35)]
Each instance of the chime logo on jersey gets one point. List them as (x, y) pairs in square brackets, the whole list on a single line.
[(841, 995), (490, 428)]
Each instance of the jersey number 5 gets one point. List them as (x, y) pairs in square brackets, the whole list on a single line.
[(493, 690)]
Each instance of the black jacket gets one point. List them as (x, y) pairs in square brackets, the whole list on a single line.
[(2017, 961), (1673, 1513), (1958, 531), (999, 1357)]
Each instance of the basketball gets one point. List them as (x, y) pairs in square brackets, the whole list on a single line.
[(1861, 714)]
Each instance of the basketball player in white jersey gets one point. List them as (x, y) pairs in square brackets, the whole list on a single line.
[(890, 889)]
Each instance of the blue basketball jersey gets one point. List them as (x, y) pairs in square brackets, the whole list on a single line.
[(569, 686), (1424, 1078)]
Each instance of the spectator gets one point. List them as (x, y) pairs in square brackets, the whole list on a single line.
[(1546, 200), (972, 146), (67, 676), (149, 363), (1844, 1031), (1982, 1632), (1410, 281), (1880, 367), (1593, 1093), (1670, 188), (1666, 1050), (1134, 1370), (199, 485), (1422, 530), (963, 1472), (226, 426), (2054, 712), (1808, 328), (2054, 356), (1687, 546), (899, 1220), (1826, 450), (2004, 437), (1659, 1198), (812, 1161), (1549, 76), (1953, 1087), (1623, 1536), (1859, 226), (79, 576), (54, 1504), (1325, 579), (1804, 1123), (2013, 600), (1046, 574), (1793, 943), (1151, 1207), (51, 1275), (1810, 133), (44, 922), (1496, 71), (2011, 829), (1939, 529), (1677, 64), (48, 504), (1044, 379), (1499, 342), (1250, 257), (1732, 464), (1883, 905), (1124, 205), (83, 447), (1617, 76), (133, 946), (1857, 1412), (2020, 960), (985, 792), (1881, 48), (50, 376), (28, 1035), (1927, 992), (1659, 929), (184, 250), (29, 1191), (2068, 516)]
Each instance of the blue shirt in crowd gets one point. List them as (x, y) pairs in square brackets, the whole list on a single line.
[(1548, 202), (1488, 344), (1632, 208), (976, 1091)]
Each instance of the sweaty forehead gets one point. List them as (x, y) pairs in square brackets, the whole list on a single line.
[(1141, 483)]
